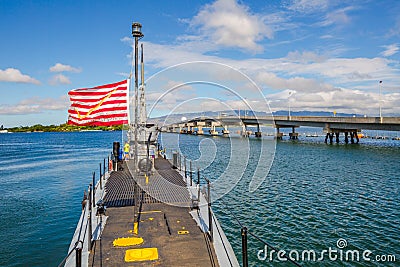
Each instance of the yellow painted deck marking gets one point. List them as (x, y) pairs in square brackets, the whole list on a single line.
[(135, 228), (183, 232), (141, 254), (127, 241), (150, 219)]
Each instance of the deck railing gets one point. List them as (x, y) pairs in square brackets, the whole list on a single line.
[(84, 237)]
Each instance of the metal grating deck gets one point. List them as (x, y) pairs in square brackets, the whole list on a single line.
[(166, 185), (120, 188)]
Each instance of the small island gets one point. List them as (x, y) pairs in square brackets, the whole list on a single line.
[(60, 128)]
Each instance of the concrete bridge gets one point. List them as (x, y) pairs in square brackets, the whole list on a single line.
[(332, 126)]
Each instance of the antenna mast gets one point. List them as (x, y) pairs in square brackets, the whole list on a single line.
[(142, 103), (137, 34)]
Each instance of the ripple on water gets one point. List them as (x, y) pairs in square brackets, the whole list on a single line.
[(316, 194)]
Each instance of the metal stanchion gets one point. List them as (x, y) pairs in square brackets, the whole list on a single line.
[(190, 174), (210, 227), (90, 217), (180, 162), (244, 247), (101, 186), (94, 190), (184, 159), (104, 168), (78, 256), (198, 184)]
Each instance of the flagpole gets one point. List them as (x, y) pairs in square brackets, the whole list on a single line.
[(380, 104), (137, 34), (128, 100)]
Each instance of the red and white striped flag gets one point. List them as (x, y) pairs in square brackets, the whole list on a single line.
[(103, 105)]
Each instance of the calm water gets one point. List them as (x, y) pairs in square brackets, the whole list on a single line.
[(313, 195)]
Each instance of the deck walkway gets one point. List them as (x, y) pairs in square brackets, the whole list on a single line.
[(159, 223)]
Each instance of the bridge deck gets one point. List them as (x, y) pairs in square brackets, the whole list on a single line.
[(159, 223), (352, 123)]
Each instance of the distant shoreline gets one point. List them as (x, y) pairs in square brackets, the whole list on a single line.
[(60, 128)]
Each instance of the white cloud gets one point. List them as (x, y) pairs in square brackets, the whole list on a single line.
[(309, 6), (305, 57), (14, 75), (58, 67), (35, 105), (305, 68), (326, 36), (299, 84), (172, 95), (340, 68), (305, 64), (231, 24), (337, 17), (163, 56), (390, 50), (59, 79), (342, 100)]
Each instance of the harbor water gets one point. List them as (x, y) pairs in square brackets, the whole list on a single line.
[(315, 197)]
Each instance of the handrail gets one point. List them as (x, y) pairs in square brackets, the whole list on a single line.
[(222, 240), (82, 220), (78, 241), (69, 254)]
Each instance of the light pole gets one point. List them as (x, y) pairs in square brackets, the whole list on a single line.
[(137, 34), (380, 104), (290, 94)]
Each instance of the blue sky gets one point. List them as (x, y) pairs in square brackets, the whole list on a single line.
[(316, 54)]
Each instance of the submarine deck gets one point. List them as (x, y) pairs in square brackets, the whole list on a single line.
[(161, 209)]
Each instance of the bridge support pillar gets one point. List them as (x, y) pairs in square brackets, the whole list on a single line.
[(213, 132), (225, 131), (244, 131), (330, 136), (356, 135), (200, 130), (353, 135), (354, 139), (293, 135), (258, 133), (279, 135)]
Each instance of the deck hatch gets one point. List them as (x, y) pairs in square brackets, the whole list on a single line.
[(141, 254)]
